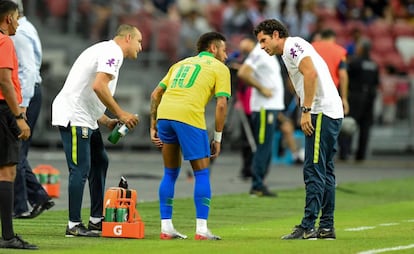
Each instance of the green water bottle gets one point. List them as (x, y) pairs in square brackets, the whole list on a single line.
[(110, 214), (119, 131), (121, 214)]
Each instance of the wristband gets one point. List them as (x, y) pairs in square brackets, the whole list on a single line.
[(217, 136)]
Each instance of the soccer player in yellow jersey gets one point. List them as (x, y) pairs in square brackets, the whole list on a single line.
[(178, 126)]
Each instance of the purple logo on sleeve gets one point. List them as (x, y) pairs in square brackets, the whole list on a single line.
[(293, 53), (297, 49), (111, 62)]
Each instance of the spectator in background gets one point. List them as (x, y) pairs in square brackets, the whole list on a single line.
[(363, 84), (101, 13), (29, 54), (263, 73), (300, 20), (193, 25), (243, 93), (355, 36), (236, 19), (335, 57), (12, 125), (261, 12)]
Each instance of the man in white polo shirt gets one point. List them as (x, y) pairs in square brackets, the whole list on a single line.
[(77, 110), (321, 120)]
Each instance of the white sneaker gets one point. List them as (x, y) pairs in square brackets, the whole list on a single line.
[(206, 236), (173, 234)]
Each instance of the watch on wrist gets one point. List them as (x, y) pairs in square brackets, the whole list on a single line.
[(20, 116), (305, 109)]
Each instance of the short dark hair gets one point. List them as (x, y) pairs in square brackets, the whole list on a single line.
[(268, 26), (206, 39), (7, 7), (328, 33)]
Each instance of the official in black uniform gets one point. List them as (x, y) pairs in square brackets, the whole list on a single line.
[(363, 75)]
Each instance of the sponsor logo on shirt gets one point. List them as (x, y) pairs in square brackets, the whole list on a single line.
[(295, 50), (111, 62)]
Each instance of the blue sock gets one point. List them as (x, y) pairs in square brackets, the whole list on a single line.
[(202, 193), (166, 192)]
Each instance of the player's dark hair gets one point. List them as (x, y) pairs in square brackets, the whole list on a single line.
[(7, 7), (206, 39), (328, 33), (269, 26)]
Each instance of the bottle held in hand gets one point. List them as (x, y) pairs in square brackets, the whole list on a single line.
[(117, 133)]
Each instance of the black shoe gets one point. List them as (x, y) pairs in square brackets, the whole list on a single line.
[(300, 233), (80, 230), (95, 226), (17, 243), (326, 233), (40, 208), (263, 192), (25, 215)]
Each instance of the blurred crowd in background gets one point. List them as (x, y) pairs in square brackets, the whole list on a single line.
[(170, 29), (172, 26)]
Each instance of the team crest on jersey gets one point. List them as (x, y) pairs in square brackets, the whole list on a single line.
[(84, 132)]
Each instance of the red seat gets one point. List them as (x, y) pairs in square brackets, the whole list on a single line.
[(167, 38), (351, 25), (214, 15), (379, 29), (144, 21), (335, 25), (383, 45), (58, 8), (402, 28), (394, 58)]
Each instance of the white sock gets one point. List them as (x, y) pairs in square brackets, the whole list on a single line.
[(201, 226), (71, 224), (167, 225), (95, 220)]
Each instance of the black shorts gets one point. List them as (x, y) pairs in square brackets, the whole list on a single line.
[(9, 141)]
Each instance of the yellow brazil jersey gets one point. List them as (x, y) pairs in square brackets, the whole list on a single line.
[(189, 85)]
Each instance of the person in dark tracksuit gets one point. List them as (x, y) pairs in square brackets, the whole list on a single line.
[(363, 83), (321, 120)]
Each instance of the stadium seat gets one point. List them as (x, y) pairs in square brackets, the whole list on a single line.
[(167, 38), (402, 28), (58, 8), (395, 59), (214, 15), (145, 22), (378, 29), (383, 44)]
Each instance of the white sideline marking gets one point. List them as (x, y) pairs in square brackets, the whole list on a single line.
[(387, 249), (389, 224), (359, 228)]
